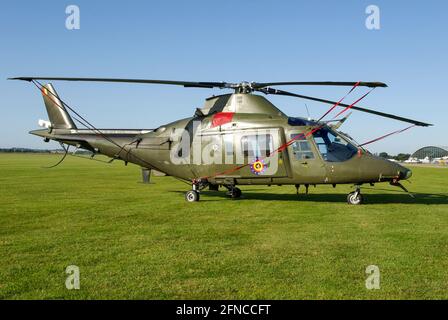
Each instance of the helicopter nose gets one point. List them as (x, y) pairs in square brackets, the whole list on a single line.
[(405, 173)]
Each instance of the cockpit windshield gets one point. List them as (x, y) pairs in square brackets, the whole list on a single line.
[(333, 147)]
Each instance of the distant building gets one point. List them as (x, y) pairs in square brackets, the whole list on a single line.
[(430, 154)]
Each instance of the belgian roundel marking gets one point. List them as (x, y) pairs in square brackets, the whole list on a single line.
[(257, 167)]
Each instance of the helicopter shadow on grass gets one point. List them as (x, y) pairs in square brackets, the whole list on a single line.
[(369, 198)]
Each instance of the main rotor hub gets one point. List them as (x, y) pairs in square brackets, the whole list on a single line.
[(244, 87)]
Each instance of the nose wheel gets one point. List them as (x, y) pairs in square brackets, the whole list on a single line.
[(355, 197), (192, 196)]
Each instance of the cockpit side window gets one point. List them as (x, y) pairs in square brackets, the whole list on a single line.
[(332, 147), (301, 147)]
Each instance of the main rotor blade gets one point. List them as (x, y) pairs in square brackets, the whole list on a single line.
[(378, 113), (190, 84), (319, 83), (194, 84)]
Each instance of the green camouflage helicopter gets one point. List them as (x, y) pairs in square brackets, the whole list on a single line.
[(234, 139)]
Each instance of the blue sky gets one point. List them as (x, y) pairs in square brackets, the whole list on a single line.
[(226, 41)]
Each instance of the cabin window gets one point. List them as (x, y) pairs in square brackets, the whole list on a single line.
[(333, 147), (301, 147), (228, 144), (257, 146)]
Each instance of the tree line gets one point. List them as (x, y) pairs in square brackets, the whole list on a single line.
[(398, 157)]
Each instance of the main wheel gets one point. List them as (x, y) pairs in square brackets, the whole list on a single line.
[(192, 196), (355, 198), (235, 193)]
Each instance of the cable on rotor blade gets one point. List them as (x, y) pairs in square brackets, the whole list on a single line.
[(337, 103), (350, 106), (386, 135)]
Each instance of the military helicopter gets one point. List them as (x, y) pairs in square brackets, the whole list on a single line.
[(237, 138)]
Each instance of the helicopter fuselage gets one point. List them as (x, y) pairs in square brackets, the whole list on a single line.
[(219, 143), (235, 139)]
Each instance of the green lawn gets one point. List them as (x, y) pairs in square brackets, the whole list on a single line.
[(136, 241)]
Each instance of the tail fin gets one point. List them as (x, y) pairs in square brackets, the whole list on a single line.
[(58, 115)]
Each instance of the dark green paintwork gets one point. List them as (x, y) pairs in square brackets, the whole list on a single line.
[(251, 112)]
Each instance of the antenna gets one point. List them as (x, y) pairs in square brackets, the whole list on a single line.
[(308, 112)]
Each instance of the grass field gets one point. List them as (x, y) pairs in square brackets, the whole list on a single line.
[(136, 241)]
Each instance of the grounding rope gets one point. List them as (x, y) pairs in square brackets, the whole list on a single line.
[(386, 135)]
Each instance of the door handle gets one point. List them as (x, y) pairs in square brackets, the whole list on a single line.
[(304, 162)]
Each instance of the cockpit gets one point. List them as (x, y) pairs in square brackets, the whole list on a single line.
[(333, 147)]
